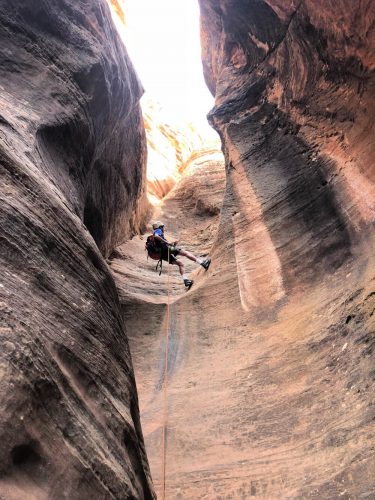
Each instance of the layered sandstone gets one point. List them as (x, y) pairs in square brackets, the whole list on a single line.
[(269, 380), (294, 107), (267, 389), (172, 147), (271, 402), (72, 160)]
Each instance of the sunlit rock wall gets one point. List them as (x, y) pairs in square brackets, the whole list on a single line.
[(267, 390), (172, 146), (294, 89), (72, 165)]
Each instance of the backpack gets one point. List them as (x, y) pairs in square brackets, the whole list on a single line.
[(153, 249)]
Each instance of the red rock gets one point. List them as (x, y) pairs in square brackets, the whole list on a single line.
[(72, 160), (270, 356), (172, 147), (295, 124)]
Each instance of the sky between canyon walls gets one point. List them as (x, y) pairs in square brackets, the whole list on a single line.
[(162, 37)]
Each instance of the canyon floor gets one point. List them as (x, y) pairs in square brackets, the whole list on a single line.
[(261, 403)]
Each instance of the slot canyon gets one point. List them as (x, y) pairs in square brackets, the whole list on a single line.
[(116, 382)]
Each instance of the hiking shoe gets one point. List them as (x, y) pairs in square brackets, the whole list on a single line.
[(188, 284), (206, 263)]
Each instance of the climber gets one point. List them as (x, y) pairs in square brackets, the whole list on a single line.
[(169, 249)]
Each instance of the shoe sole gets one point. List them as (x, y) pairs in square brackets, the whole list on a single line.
[(208, 265)]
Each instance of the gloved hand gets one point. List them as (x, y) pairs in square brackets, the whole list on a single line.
[(173, 247)]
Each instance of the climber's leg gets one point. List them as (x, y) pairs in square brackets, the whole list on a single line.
[(180, 265), (189, 255), (204, 263), (187, 282)]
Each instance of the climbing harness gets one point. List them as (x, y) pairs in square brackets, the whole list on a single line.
[(155, 251)]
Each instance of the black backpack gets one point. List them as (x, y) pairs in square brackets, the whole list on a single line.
[(153, 249)]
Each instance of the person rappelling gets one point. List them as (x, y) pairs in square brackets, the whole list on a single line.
[(158, 248)]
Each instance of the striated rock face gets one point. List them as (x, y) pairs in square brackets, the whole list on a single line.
[(268, 387), (294, 88), (72, 163), (268, 402)]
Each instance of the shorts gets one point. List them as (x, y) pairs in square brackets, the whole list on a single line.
[(172, 254)]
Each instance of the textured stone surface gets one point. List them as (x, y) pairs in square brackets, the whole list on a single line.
[(271, 354), (271, 402), (294, 92), (72, 160), (172, 147)]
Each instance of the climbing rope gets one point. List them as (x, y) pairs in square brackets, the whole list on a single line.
[(165, 391)]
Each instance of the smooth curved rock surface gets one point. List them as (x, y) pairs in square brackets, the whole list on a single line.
[(72, 163), (268, 401), (294, 88), (270, 378)]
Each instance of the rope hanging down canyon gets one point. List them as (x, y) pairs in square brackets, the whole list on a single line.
[(165, 390)]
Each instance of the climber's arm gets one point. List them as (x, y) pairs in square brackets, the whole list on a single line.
[(159, 238)]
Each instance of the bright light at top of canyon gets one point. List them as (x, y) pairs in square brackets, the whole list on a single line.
[(162, 38)]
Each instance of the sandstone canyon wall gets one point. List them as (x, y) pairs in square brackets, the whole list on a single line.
[(172, 146), (72, 163), (269, 378), (294, 89), (268, 387)]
